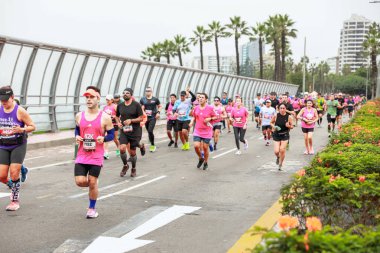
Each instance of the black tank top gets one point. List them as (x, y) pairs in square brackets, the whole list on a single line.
[(281, 122)]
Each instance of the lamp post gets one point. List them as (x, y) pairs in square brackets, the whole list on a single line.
[(304, 68)]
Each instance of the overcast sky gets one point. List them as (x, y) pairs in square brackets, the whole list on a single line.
[(125, 28)]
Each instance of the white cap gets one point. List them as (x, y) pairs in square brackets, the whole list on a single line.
[(109, 97)]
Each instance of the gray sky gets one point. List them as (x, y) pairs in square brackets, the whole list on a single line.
[(125, 27)]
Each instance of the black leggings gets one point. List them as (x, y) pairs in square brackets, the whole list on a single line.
[(149, 125), (239, 133)]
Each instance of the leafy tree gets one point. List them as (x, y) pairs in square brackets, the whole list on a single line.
[(200, 37), (346, 69), (181, 46), (286, 31), (259, 33), (372, 46), (216, 31), (273, 36), (168, 49)]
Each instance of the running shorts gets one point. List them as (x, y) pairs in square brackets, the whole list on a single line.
[(81, 169), (15, 155)]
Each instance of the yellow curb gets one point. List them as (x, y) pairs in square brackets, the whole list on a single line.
[(248, 241)]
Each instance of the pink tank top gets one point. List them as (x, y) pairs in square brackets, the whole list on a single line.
[(90, 151), (228, 110), (308, 115), (219, 113), (111, 110), (170, 112)]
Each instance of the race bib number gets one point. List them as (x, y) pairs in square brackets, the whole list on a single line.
[(309, 116), (182, 113), (238, 120), (6, 131), (266, 116), (89, 144), (333, 117), (127, 129), (148, 112)]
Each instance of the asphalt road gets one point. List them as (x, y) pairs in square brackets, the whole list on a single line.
[(227, 198)]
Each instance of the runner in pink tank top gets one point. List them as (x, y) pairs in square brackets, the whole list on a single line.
[(93, 129), (171, 123), (217, 124), (110, 109), (239, 115), (308, 116), (228, 109)]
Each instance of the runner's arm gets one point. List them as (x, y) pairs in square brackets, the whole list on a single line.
[(25, 117), (193, 97)]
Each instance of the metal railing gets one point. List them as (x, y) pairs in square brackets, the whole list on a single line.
[(49, 79)]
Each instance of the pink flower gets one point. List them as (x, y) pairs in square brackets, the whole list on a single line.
[(361, 179), (301, 173), (313, 224)]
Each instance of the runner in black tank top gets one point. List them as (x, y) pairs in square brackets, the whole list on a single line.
[(281, 125)]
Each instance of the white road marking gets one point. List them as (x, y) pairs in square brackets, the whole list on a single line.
[(224, 153), (132, 188), (32, 158), (50, 165), (129, 241), (106, 187), (4, 194)]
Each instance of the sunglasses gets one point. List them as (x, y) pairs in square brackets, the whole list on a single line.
[(216, 100)]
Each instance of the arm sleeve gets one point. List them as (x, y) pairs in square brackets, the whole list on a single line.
[(167, 106), (158, 101), (193, 97), (110, 135), (77, 130), (117, 111)]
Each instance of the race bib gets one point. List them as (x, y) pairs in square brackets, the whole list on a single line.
[(89, 144), (6, 131), (229, 115), (333, 117), (238, 120), (148, 112), (266, 116), (309, 116), (182, 113), (127, 129)]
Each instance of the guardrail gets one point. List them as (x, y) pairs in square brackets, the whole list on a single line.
[(49, 79)]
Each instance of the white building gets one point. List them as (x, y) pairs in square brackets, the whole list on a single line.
[(250, 51), (227, 63), (352, 37), (332, 62)]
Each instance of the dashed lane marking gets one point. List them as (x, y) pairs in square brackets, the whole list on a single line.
[(224, 153)]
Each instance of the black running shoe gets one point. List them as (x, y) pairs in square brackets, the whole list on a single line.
[(170, 143), (124, 170), (214, 147), (277, 160), (205, 166), (176, 145), (142, 149), (200, 163)]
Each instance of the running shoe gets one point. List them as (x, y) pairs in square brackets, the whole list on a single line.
[(13, 206), (117, 152), (205, 166), (152, 148), (214, 147), (280, 167), (170, 143), (200, 163), (306, 152), (211, 148), (311, 151), (124, 170), (106, 156), (133, 172), (277, 160), (92, 213), (24, 173), (238, 152), (176, 145), (187, 146), (267, 144), (142, 149), (245, 145), (184, 146)]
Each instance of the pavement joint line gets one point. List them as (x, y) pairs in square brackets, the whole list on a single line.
[(107, 187), (132, 188), (50, 165), (224, 153), (32, 158), (248, 241)]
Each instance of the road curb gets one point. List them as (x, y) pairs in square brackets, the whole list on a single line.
[(248, 241)]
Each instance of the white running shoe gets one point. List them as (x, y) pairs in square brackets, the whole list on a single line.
[(238, 152), (245, 145)]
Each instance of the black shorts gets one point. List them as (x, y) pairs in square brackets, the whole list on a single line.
[(257, 114), (307, 130), (183, 125), (320, 111), (81, 169), (280, 137), (134, 141), (116, 127), (339, 112), (16, 155), (219, 127), (172, 124), (331, 120), (350, 109), (264, 128)]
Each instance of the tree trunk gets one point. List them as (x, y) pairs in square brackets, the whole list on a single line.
[(373, 74), (283, 49), (261, 57), (168, 58), (276, 60), (217, 53), (180, 57), (237, 56), (201, 49)]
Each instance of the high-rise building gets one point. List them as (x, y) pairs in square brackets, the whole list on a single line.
[(250, 51), (352, 37), (333, 62), (227, 63)]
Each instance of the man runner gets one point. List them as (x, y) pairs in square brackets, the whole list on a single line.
[(332, 108), (258, 102), (110, 109), (266, 114), (171, 121), (221, 114)]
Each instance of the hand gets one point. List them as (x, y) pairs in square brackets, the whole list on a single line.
[(78, 139), (100, 139), (157, 116), (17, 129), (188, 88), (127, 122), (119, 125), (175, 114), (191, 124), (207, 120), (288, 125)]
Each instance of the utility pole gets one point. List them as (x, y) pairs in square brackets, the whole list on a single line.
[(304, 68)]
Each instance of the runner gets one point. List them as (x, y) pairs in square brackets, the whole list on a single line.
[(308, 116), (266, 114), (171, 121), (332, 107), (221, 114), (128, 116), (274, 101), (152, 107), (91, 126), (281, 124), (340, 109), (110, 109), (258, 102), (117, 100), (203, 114), (181, 110), (297, 107), (350, 106), (228, 109), (239, 117), (224, 102), (321, 108), (15, 123)]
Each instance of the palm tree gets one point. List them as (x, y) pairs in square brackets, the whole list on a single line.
[(372, 45), (200, 37), (181, 45), (216, 30), (147, 54), (237, 28), (156, 51), (273, 36), (286, 31), (168, 49), (258, 32)]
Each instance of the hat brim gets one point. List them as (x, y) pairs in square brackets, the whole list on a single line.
[(5, 97)]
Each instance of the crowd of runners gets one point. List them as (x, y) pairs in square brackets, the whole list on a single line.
[(122, 119)]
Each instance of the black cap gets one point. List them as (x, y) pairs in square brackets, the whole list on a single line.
[(116, 96), (5, 92), (258, 94), (183, 93), (129, 90)]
